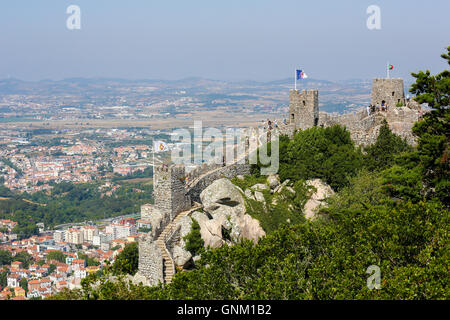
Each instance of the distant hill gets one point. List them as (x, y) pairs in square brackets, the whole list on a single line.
[(338, 96)]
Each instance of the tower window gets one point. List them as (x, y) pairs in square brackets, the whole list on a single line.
[(393, 93), (292, 117), (304, 102)]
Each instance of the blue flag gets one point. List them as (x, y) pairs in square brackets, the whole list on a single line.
[(301, 75)]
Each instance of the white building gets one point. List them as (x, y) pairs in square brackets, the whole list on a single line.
[(89, 232), (74, 236), (80, 273), (59, 236), (119, 231), (101, 238), (13, 280)]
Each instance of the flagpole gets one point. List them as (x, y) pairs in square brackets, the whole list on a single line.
[(153, 165), (387, 70), (295, 79)]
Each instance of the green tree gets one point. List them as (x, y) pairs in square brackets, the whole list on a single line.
[(325, 153), (24, 284), (3, 278), (381, 154), (89, 261), (25, 230), (51, 269), (431, 159), (127, 261), (193, 240), (5, 257), (24, 257), (56, 255)]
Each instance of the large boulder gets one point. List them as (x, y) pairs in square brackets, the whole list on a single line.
[(222, 196), (250, 228), (139, 278), (322, 191), (225, 204), (185, 225), (181, 257), (249, 194), (211, 233), (199, 216)]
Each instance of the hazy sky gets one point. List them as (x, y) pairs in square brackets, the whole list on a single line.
[(227, 39)]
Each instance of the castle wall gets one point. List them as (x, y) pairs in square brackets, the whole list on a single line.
[(201, 170), (303, 108), (146, 211), (150, 261), (229, 172), (364, 128)]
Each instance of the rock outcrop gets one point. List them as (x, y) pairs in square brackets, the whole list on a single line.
[(320, 193), (224, 202)]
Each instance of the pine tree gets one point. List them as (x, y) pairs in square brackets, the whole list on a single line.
[(381, 154)]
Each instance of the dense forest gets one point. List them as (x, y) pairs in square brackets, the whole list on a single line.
[(390, 210)]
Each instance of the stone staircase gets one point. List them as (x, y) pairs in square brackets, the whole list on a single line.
[(169, 230)]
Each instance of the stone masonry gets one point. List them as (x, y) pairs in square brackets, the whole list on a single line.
[(389, 91), (170, 192), (151, 263), (304, 113), (303, 108), (172, 197)]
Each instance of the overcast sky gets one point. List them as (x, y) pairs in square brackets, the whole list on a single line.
[(226, 40)]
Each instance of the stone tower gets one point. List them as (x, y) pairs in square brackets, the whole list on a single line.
[(389, 91), (303, 109), (170, 193)]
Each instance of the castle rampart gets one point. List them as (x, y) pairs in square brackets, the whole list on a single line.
[(151, 263)]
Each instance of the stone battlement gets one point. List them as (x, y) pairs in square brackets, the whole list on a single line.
[(400, 114), (201, 170)]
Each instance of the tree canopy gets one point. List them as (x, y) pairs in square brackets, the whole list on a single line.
[(325, 153)]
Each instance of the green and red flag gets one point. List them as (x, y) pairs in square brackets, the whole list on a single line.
[(390, 67)]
